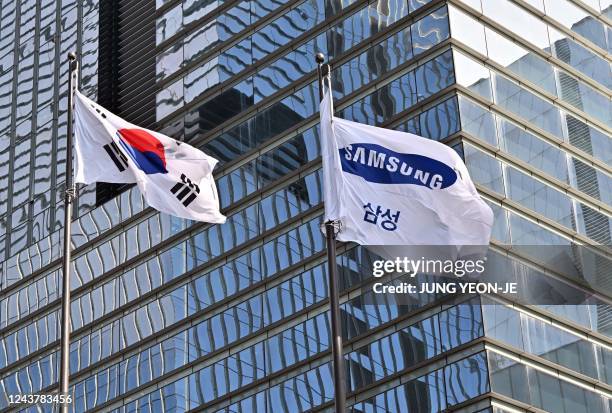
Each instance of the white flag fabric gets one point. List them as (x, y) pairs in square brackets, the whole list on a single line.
[(394, 188), (174, 177)]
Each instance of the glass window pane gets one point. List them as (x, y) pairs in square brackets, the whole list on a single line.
[(430, 30), (472, 75), (508, 377), (525, 104), (468, 30), (466, 379), (525, 64), (484, 169), (517, 20)]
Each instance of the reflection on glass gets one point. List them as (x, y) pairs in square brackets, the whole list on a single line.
[(440, 121), (520, 61), (169, 99), (467, 30), (472, 75), (477, 121), (424, 394), (508, 377), (584, 98), (577, 20), (541, 389), (532, 150), (580, 57), (466, 378), (517, 20), (525, 104), (169, 24), (539, 197), (168, 62), (430, 30)]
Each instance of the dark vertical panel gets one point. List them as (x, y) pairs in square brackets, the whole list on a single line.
[(107, 55), (136, 61), (126, 75)]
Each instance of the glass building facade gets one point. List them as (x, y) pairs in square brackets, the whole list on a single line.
[(173, 315), (35, 37)]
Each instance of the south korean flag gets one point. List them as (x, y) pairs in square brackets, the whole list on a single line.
[(174, 177)]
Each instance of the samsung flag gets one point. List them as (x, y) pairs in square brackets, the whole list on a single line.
[(173, 177), (394, 188)]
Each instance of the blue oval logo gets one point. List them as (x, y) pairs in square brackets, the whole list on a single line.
[(380, 165)]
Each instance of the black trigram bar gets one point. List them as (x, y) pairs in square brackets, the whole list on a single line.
[(117, 156), (188, 190)]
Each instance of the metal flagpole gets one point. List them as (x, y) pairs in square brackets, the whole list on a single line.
[(334, 304), (69, 197)]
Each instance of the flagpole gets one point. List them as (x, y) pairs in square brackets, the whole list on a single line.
[(69, 198), (332, 269)]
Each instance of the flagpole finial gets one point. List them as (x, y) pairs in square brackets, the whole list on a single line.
[(320, 58), (71, 56)]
